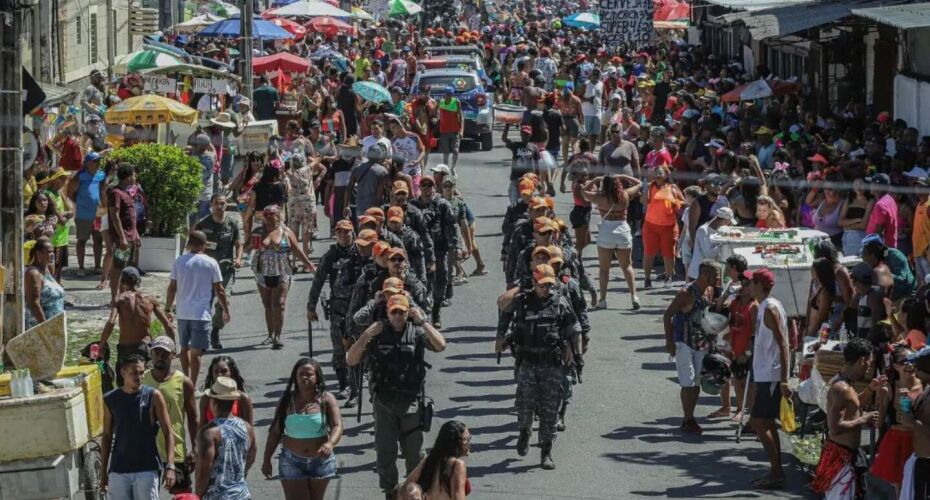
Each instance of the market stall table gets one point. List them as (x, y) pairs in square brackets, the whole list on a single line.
[(728, 239)]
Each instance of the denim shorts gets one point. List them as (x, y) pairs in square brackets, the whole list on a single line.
[(294, 466), (194, 333)]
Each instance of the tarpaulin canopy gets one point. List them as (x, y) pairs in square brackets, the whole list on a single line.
[(231, 28), (761, 89), (282, 61)]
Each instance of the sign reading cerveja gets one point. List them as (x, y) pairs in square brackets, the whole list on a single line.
[(625, 21)]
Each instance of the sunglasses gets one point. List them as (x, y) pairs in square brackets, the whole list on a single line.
[(397, 259)]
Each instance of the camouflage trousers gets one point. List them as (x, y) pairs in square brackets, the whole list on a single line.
[(539, 390), (568, 383)]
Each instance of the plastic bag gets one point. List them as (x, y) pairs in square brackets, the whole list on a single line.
[(786, 415)]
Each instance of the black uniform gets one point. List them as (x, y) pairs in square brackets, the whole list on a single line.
[(335, 259), (441, 223), (416, 257)]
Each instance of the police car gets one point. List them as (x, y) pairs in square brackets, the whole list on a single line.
[(464, 63), (477, 103)]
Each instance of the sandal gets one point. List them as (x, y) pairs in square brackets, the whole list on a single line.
[(720, 413), (480, 272), (100, 286), (268, 340)]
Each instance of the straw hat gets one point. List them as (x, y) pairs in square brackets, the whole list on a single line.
[(224, 120), (224, 388)]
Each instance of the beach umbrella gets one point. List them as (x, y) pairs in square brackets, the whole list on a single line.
[(144, 59), (585, 20), (401, 8), (197, 23), (360, 14), (310, 9), (224, 9), (282, 61), (330, 25), (150, 109), (372, 92), (230, 28), (295, 28)]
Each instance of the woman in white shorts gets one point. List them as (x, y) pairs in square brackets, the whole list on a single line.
[(614, 237)]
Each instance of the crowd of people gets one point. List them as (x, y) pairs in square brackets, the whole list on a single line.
[(643, 135)]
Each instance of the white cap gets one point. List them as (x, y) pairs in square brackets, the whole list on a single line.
[(725, 213), (916, 172), (442, 168)]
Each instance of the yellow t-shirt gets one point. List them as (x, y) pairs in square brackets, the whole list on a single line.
[(29, 189), (173, 392), (921, 235), (361, 64)]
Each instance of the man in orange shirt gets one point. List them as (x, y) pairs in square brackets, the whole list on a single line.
[(921, 236), (451, 127)]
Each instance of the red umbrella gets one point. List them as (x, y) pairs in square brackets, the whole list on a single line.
[(292, 27), (330, 25), (282, 61), (671, 10)]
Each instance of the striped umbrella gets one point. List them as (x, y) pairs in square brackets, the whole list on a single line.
[(584, 20), (144, 59), (400, 8)]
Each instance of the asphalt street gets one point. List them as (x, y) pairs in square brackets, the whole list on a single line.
[(622, 439)]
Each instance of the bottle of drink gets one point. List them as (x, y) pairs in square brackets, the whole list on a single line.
[(824, 332), (16, 385), (29, 388), (844, 334)]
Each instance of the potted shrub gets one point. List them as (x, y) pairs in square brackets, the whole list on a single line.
[(172, 182)]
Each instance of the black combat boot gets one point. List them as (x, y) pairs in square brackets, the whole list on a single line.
[(215, 338), (560, 423), (437, 322), (523, 442), (343, 386), (546, 456)]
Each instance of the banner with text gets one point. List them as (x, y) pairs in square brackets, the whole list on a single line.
[(626, 21)]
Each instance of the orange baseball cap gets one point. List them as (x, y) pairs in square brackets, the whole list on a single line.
[(401, 187), (543, 274), (344, 225), (533, 177), (395, 214), (367, 219), (527, 186), (366, 237), (396, 251), (381, 247), (542, 249), (393, 285), (543, 225), (400, 302), (537, 202), (375, 212), (550, 202), (427, 179), (556, 255)]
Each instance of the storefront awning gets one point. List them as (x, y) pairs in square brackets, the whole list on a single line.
[(754, 5), (56, 95), (772, 23), (907, 16)]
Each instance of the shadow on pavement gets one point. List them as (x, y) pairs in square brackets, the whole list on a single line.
[(461, 411), (484, 398), (471, 356), (474, 369), (706, 468), (486, 383), (664, 366), (502, 467), (454, 329)]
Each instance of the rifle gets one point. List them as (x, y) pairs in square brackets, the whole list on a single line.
[(310, 335), (360, 384)]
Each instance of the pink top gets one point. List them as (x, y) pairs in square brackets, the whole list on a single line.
[(885, 213), (657, 158)]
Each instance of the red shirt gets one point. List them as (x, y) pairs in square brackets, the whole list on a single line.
[(71, 159), (449, 121), (121, 203), (657, 158)]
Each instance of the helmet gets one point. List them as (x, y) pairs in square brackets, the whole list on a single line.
[(715, 371)]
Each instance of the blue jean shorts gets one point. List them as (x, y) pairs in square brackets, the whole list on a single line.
[(194, 334), (294, 466)]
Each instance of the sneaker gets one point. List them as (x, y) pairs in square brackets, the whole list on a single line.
[(437, 325), (216, 345), (447, 303), (523, 444), (636, 305), (667, 283), (648, 284), (560, 425), (351, 402), (343, 394), (601, 305)]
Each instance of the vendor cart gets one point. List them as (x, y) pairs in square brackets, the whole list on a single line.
[(51, 443)]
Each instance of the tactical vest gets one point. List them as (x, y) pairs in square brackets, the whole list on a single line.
[(397, 364), (348, 271), (536, 329)]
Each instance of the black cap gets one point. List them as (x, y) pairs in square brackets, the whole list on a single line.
[(862, 273), (881, 179), (131, 275)]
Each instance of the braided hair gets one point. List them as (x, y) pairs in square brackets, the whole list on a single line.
[(280, 413)]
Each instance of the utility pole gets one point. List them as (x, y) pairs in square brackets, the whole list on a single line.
[(245, 51), (11, 167)]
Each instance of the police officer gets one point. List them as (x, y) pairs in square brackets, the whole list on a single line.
[(414, 219), (396, 259), (375, 222), (442, 226), (542, 329), (374, 271), (569, 288), (394, 350), (522, 231), (224, 244), (330, 264), (350, 269), (544, 230), (412, 242), (376, 308)]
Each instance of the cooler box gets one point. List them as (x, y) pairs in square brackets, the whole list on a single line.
[(50, 477), (44, 425), (92, 383)]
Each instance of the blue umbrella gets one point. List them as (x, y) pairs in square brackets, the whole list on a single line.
[(585, 20), (230, 28), (372, 92)]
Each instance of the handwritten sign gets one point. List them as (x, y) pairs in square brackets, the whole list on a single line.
[(210, 86), (626, 21), (255, 136), (154, 83)]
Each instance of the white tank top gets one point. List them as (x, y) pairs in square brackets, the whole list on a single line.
[(766, 362)]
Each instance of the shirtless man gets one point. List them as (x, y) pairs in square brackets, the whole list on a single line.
[(916, 482), (839, 475), (134, 310)]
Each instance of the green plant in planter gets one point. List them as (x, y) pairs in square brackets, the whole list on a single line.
[(172, 181)]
